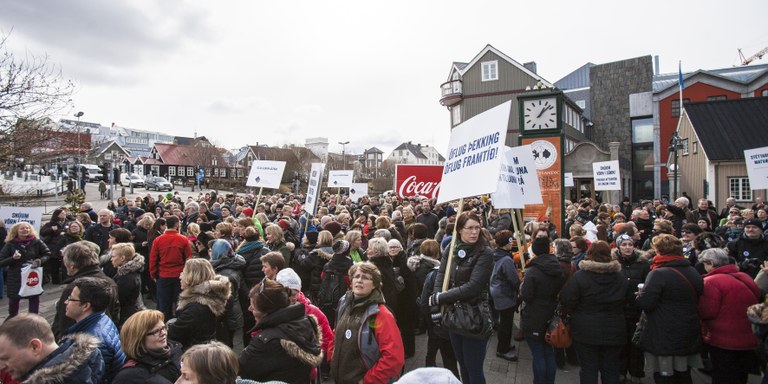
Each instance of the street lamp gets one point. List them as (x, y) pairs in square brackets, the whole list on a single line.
[(675, 144), (343, 158), (77, 127)]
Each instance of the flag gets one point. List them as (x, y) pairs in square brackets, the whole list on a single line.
[(680, 75)]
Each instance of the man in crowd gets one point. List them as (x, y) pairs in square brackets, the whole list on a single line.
[(729, 203), (86, 305), (86, 207), (703, 211), (750, 249), (429, 219), (166, 261), (30, 354), (99, 233), (191, 212)]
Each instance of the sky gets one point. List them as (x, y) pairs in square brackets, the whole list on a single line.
[(277, 72)]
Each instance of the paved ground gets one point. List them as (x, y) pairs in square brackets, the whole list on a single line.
[(497, 370)]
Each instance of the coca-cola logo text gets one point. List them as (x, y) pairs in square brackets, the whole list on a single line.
[(411, 187), (33, 279), (422, 180)]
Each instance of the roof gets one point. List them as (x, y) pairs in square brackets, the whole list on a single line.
[(463, 68), (726, 128), (581, 94), (413, 148), (373, 150), (274, 153), (742, 75), (579, 78), (173, 154), (101, 148)]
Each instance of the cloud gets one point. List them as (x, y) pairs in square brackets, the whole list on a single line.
[(239, 106)]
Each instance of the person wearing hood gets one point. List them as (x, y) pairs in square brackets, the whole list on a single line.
[(635, 268), (251, 249), (285, 343), (368, 347), (596, 295), (750, 249), (308, 244), (378, 255), (314, 262), (334, 280), (202, 301), (473, 264), (504, 287), (542, 281), (421, 264), (128, 266), (230, 265)]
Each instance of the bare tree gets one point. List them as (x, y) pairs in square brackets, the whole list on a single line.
[(31, 91)]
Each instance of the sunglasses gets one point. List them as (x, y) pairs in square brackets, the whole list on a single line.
[(261, 291)]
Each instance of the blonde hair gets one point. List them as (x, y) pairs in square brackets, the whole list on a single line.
[(146, 221), (377, 247), (212, 363), (193, 229), (197, 271), (666, 244), (135, 330), (225, 229), (275, 231), (14, 232), (124, 250), (351, 236), (324, 238)]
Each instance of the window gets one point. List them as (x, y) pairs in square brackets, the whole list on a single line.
[(171, 171), (716, 98), (695, 147), (581, 103), (685, 147), (676, 106), (490, 70), (739, 188), (181, 171), (642, 130), (456, 114), (764, 92), (190, 171)]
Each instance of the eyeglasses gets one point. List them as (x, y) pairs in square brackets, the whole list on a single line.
[(472, 229), (71, 299), (261, 291), (157, 332), (361, 276), (685, 232)]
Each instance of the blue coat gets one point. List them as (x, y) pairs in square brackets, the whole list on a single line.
[(101, 326), (77, 360)]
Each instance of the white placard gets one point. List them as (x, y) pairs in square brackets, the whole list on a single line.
[(568, 179), (518, 180), (591, 230), (757, 167), (358, 190), (266, 174), (13, 215), (315, 179), (340, 179), (474, 155), (607, 175)]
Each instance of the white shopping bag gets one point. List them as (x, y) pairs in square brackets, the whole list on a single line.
[(31, 281)]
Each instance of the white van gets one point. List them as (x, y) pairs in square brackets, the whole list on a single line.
[(93, 172)]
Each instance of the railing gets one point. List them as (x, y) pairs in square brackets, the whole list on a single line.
[(451, 87)]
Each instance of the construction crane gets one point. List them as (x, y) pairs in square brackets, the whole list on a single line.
[(756, 56)]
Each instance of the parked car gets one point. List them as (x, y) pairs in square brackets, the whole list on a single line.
[(128, 179), (158, 183)]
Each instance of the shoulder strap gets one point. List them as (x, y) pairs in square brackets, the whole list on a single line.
[(695, 295)]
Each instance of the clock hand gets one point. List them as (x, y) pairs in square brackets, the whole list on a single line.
[(542, 112)]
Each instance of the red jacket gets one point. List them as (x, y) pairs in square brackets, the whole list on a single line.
[(168, 254), (392, 358), (723, 309), (322, 321)]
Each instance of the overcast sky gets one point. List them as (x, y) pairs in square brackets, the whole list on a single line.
[(277, 72)]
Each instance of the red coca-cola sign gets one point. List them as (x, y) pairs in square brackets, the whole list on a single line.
[(421, 180), (33, 279)]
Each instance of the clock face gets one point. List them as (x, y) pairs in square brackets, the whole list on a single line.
[(540, 114)]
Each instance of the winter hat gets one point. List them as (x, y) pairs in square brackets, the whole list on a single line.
[(429, 375), (340, 247), (284, 224), (622, 238), (248, 212), (221, 248), (312, 236), (540, 246), (504, 237), (205, 227), (693, 228), (753, 221), (450, 211), (289, 279), (333, 227), (138, 212)]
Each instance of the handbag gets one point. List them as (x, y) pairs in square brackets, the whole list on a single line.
[(469, 320), (637, 337), (558, 333), (31, 281)]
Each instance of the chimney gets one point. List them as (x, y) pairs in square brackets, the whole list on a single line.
[(656, 64), (531, 66)]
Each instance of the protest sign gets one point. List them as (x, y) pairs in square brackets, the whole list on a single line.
[(607, 175), (518, 180), (547, 155), (418, 180), (568, 179), (313, 187), (358, 190), (266, 174), (340, 179), (13, 215), (474, 155), (757, 167)]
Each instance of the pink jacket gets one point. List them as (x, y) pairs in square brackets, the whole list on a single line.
[(723, 309)]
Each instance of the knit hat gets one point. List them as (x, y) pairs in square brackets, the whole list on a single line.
[(450, 211), (333, 227), (540, 246), (312, 236), (622, 238), (429, 375), (289, 279), (248, 212), (694, 228), (340, 247), (753, 221)]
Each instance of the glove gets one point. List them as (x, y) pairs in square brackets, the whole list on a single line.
[(436, 317), (36, 263), (434, 300)]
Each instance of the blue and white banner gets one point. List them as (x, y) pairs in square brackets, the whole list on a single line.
[(340, 179), (266, 174), (315, 179), (358, 190), (607, 175), (13, 215), (518, 183), (757, 167)]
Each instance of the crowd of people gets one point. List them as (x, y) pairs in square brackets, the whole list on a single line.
[(342, 294)]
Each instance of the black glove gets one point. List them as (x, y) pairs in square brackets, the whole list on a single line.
[(436, 317), (434, 299)]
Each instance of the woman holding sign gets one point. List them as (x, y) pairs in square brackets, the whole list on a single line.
[(469, 277), (23, 248)]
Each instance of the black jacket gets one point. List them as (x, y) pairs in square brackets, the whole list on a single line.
[(594, 295), (76, 361), (152, 370), (61, 322), (635, 269), (673, 327), (251, 251), (232, 268), (388, 287), (469, 278), (198, 311), (313, 263), (749, 253), (128, 280), (139, 237), (99, 235), (36, 252), (542, 280), (285, 347)]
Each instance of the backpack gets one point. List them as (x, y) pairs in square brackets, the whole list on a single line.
[(333, 286)]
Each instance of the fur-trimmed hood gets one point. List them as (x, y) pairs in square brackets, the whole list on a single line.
[(212, 293), (307, 357), (68, 362), (415, 261), (324, 253), (133, 265), (594, 266)]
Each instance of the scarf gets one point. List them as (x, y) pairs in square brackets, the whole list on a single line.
[(250, 245), (660, 260), (467, 248), (77, 236), (25, 242), (160, 354), (355, 255)]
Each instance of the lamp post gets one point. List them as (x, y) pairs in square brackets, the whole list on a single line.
[(343, 158), (77, 164), (675, 144)]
